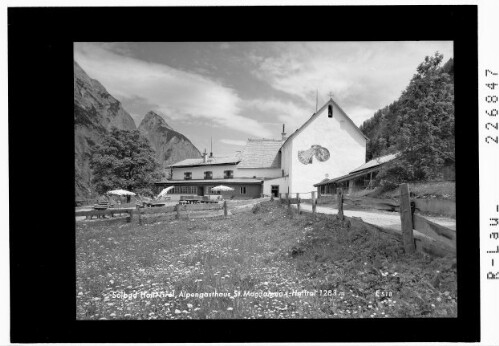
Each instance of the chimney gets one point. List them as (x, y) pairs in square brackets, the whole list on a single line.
[(283, 134), (211, 148), (204, 156)]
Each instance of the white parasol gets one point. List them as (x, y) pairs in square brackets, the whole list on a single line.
[(222, 188), (121, 193), (164, 192)]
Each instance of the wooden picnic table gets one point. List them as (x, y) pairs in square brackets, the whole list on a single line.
[(101, 207)]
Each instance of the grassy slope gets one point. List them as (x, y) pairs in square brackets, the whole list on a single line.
[(438, 189), (258, 251)]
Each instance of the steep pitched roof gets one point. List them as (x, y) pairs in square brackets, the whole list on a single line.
[(223, 160), (316, 114), (261, 153)]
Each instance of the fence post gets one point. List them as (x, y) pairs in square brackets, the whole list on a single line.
[(298, 202), (406, 219), (138, 212), (314, 205), (339, 197), (130, 214), (287, 200), (177, 215), (225, 208)]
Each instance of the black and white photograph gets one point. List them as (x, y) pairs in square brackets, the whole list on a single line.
[(265, 180), (250, 173)]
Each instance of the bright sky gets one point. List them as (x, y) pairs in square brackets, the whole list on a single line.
[(238, 90)]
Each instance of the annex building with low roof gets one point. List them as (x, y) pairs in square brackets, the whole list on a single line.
[(359, 178)]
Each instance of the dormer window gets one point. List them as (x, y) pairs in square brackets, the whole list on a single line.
[(208, 175), (228, 174), (330, 111), (187, 175)]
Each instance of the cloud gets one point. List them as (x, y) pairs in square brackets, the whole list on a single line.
[(181, 95), (232, 141), (363, 76), (285, 112)]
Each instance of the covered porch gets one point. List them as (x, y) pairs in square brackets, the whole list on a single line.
[(242, 188)]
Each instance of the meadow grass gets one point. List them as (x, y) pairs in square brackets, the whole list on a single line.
[(258, 251)]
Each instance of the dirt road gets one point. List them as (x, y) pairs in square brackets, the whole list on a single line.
[(380, 218)]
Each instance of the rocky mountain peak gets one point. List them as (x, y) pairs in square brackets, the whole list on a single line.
[(154, 120), (170, 145)]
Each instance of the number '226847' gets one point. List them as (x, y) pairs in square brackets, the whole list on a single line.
[(492, 112)]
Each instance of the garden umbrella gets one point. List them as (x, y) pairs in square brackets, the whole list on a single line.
[(164, 191), (222, 188), (121, 193)]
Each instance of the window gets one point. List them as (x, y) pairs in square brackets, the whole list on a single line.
[(243, 190), (208, 175), (228, 174), (330, 111), (187, 175)]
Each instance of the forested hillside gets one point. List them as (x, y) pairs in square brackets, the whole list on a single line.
[(420, 124)]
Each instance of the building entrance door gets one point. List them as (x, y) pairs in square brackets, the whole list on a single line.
[(274, 190), (200, 190)]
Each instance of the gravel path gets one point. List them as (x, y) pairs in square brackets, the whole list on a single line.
[(380, 218)]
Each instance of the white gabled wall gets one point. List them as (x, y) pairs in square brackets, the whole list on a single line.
[(346, 146)]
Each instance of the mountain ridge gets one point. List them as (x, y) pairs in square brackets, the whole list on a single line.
[(96, 111)]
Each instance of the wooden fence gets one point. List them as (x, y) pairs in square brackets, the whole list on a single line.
[(82, 202), (175, 209), (286, 199), (416, 233)]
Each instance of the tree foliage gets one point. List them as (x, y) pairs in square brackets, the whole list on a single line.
[(124, 160), (419, 125)]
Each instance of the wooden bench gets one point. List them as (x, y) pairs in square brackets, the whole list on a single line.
[(102, 206)]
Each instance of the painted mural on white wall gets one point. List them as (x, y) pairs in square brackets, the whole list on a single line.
[(317, 151)]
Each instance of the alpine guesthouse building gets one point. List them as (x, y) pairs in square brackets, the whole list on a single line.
[(327, 144)]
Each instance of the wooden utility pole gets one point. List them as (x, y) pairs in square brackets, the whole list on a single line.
[(406, 219), (339, 197)]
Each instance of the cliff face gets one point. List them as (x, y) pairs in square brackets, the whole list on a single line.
[(170, 145), (95, 112)]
